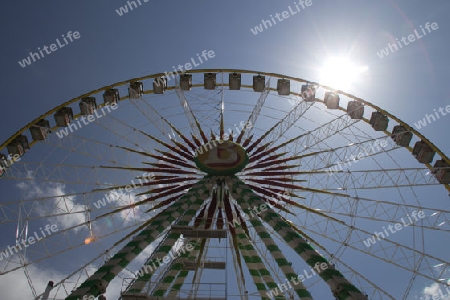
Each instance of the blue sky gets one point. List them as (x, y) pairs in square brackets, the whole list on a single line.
[(157, 35)]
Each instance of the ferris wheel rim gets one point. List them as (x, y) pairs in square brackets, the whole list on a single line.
[(199, 85), (443, 156)]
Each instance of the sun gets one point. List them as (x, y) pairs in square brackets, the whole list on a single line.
[(341, 73)]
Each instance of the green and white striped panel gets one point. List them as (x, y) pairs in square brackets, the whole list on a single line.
[(341, 287), (245, 203), (104, 275)]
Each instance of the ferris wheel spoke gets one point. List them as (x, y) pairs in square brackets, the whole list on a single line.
[(342, 155), (305, 251), (152, 115), (261, 276), (88, 148), (360, 277), (373, 179), (89, 196), (276, 131), (291, 118), (207, 107), (282, 263), (369, 234), (132, 129), (145, 237), (265, 254), (238, 266), (96, 258), (245, 134), (165, 278), (50, 177), (393, 255), (122, 137), (193, 123), (307, 140), (71, 242), (161, 251), (379, 210), (47, 254), (400, 252), (320, 134)]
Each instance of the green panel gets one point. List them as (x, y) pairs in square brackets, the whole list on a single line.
[(137, 250), (300, 248), (198, 201), (160, 228), (348, 287), (249, 247), (134, 243), (146, 277), (158, 222), (173, 235), (283, 262), (94, 290), (165, 249), (256, 259), (123, 263), (241, 236), (177, 266), (191, 211), (159, 293), (121, 255), (290, 236), (256, 222), (264, 272), (247, 259), (106, 268), (264, 235), (283, 224), (90, 283), (277, 227), (303, 294), (272, 248), (108, 277), (291, 275), (169, 279), (316, 259), (145, 232), (272, 285)]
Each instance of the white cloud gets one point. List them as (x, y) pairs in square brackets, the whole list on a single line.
[(436, 292), (15, 285), (57, 205)]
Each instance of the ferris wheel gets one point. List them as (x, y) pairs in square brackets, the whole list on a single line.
[(223, 184)]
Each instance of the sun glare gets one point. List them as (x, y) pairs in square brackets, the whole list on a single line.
[(341, 73)]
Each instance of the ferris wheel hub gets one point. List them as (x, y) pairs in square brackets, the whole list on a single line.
[(222, 158)]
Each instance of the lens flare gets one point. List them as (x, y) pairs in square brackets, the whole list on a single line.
[(341, 73)]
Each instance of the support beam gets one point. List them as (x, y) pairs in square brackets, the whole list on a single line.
[(193, 265), (192, 232)]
